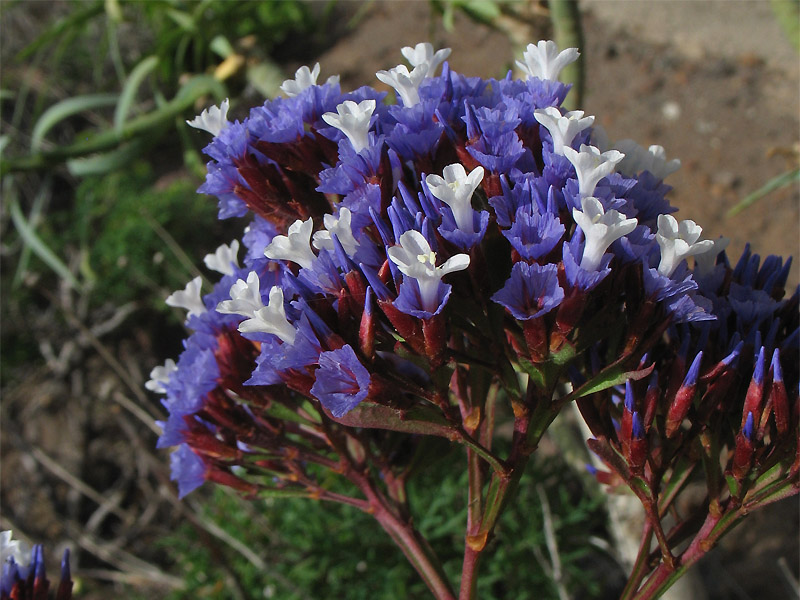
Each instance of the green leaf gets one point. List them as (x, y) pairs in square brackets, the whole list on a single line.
[(773, 184), (132, 84), (221, 46), (282, 493), (184, 21), (609, 377), (421, 419), (35, 243), (66, 108), (103, 163)]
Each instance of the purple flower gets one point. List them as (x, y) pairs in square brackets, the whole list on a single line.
[(188, 470), (342, 382), (533, 234), (531, 291)]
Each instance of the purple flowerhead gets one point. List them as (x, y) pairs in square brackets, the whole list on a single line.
[(188, 470), (342, 381), (531, 291)]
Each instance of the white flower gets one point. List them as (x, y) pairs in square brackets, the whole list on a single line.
[(704, 262), (600, 228), (352, 120), (563, 129), (189, 298), (245, 297), (304, 78), (340, 227), (415, 259), (213, 119), (159, 377), (296, 246), (545, 61), (10, 548), (455, 189), (591, 166), (225, 259), (404, 83), (637, 159), (423, 54), (678, 241), (271, 319)]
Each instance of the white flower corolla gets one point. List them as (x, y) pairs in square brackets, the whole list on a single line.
[(213, 119), (423, 54), (405, 83), (159, 377), (225, 259), (704, 262), (637, 159), (189, 298), (352, 120), (245, 297), (455, 189), (545, 61), (600, 229), (296, 246), (271, 319), (678, 241), (304, 78), (591, 165), (11, 548), (415, 259), (340, 227), (562, 128)]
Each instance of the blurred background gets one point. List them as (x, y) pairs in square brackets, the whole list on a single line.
[(100, 222)]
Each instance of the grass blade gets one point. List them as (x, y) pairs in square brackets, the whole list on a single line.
[(132, 85), (66, 108), (30, 238), (773, 184)]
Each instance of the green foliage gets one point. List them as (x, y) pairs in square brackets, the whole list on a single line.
[(311, 546), (120, 219)]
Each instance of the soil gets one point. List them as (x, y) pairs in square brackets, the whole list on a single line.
[(716, 83)]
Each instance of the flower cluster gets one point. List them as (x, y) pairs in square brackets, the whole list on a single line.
[(405, 259), (24, 578)]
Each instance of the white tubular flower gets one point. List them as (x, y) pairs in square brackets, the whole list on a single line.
[(591, 165), (404, 83), (304, 78), (213, 119), (600, 228), (415, 259), (563, 129), (545, 61), (296, 246), (637, 159), (11, 548), (678, 242), (455, 189), (352, 120), (271, 319), (159, 377), (704, 262), (423, 54), (245, 297), (340, 227), (225, 260), (189, 298)]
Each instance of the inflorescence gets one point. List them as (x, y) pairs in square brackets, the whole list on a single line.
[(402, 258)]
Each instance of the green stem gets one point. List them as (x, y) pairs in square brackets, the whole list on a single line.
[(567, 32), (200, 86)]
